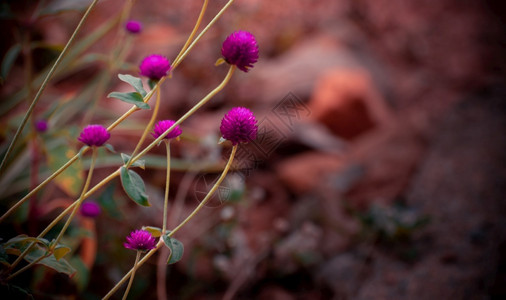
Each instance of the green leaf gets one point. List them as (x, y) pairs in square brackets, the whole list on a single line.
[(60, 251), (155, 231), (60, 6), (134, 186), (136, 82), (61, 265), (110, 148), (176, 249), (9, 59), (139, 163), (152, 83), (133, 98), (23, 239), (71, 180)]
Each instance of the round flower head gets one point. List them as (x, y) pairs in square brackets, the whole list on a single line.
[(133, 26), (94, 135), (155, 66), (239, 126), (240, 49), (162, 126), (90, 209), (140, 240), (41, 126)]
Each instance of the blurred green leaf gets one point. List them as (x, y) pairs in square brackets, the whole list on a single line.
[(8, 61), (152, 83), (132, 97), (70, 180), (82, 276), (60, 6), (106, 201), (134, 186), (176, 249), (61, 265), (135, 82), (23, 239), (139, 163), (155, 231)]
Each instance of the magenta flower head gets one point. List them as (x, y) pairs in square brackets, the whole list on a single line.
[(140, 240), (162, 126), (41, 126), (154, 66), (133, 26), (240, 49), (239, 126), (90, 209), (94, 135)]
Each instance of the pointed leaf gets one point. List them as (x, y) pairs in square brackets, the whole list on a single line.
[(176, 249), (60, 251), (135, 82), (61, 265), (152, 83), (139, 163), (155, 231), (133, 98), (134, 186), (8, 61), (110, 148), (23, 239), (219, 61)]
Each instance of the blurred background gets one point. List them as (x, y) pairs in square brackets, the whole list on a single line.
[(379, 171)]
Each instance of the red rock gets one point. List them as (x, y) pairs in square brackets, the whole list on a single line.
[(348, 103)]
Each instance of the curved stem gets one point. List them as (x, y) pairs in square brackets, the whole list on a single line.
[(134, 268), (194, 31), (167, 182), (218, 15), (148, 127), (81, 198), (44, 84), (188, 113), (160, 242), (209, 194)]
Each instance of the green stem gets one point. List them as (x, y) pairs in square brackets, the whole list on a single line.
[(81, 197), (188, 113), (218, 15), (167, 181), (148, 127), (28, 266), (160, 242), (194, 31), (134, 268), (210, 194), (44, 84)]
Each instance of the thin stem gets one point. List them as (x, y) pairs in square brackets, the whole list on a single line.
[(160, 242), (209, 194), (188, 113), (44, 84), (28, 266), (134, 268), (148, 127), (167, 182), (177, 62), (81, 197), (194, 31)]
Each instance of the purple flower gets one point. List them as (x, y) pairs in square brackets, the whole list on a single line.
[(155, 66), (239, 126), (90, 209), (133, 26), (41, 125), (162, 126), (94, 135), (240, 49), (140, 240)]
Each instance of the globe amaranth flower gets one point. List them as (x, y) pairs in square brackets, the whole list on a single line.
[(133, 26), (140, 240), (154, 66), (162, 126), (41, 126), (90, 209), (240, 49), (94, 135), (239, 126)]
